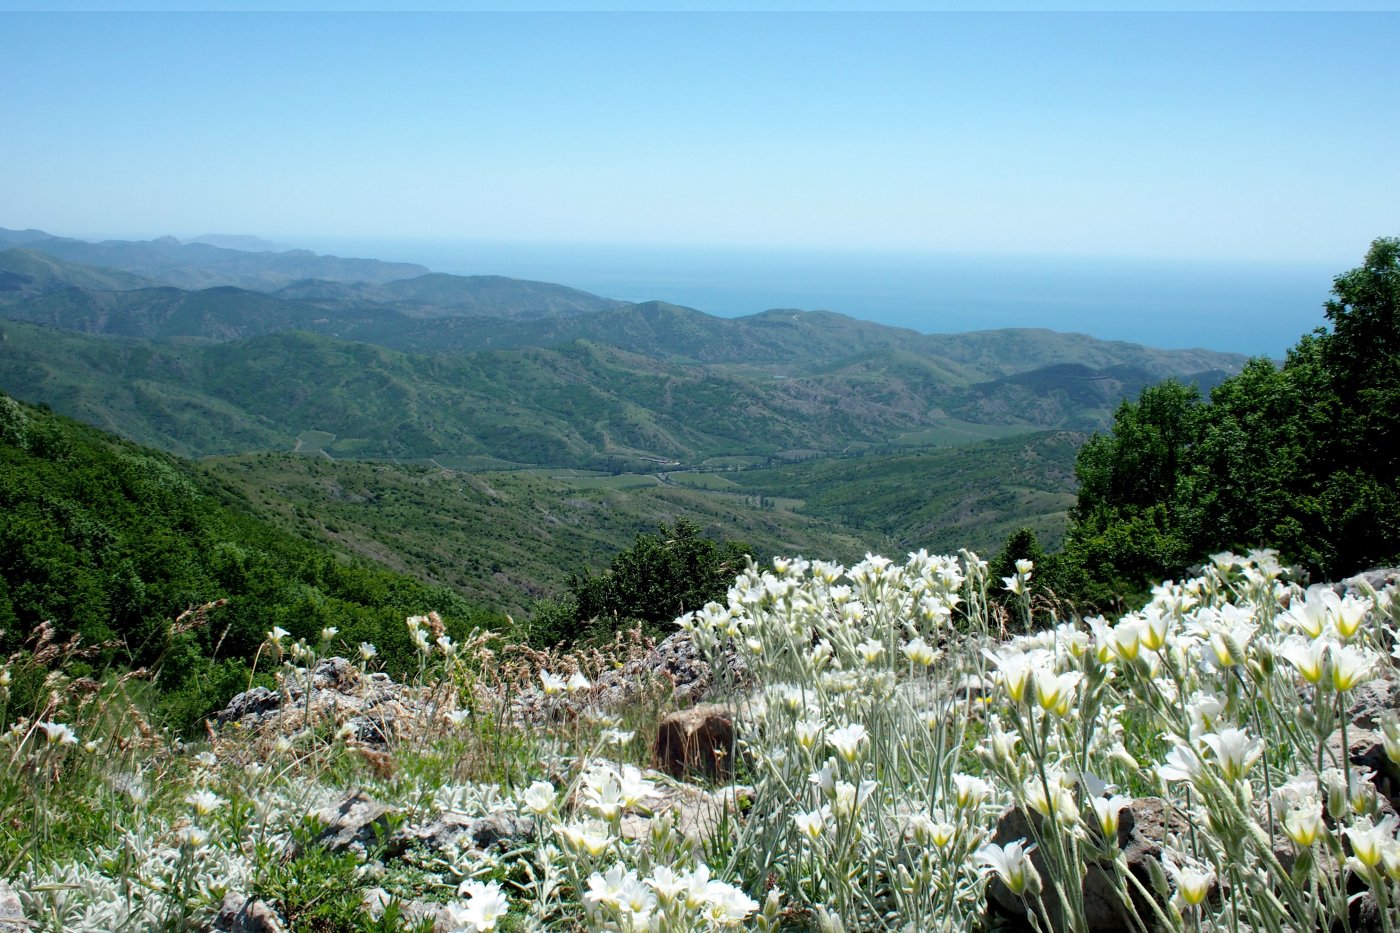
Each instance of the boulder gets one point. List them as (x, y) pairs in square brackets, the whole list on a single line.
[(12, 919), (699, 740), (1371, 699), (497, 833), (1142, 827), (696, 813), (256, 916), (255, 703), (353, 824)]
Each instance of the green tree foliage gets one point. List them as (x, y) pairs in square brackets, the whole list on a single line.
[(112, 542), (660, 577), (1304, 457)]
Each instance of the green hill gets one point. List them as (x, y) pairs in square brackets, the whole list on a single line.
[(25, 274), (942, 499), (111, 542)]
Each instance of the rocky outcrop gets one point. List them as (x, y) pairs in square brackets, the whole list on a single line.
[(699, 740), (12, 919), (1142, 828)]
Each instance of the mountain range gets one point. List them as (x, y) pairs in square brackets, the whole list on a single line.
[(802, 429)]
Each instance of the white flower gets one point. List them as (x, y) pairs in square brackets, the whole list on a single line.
[(589, 836), (1235, 752), (367, 650), (329, 632), (970, 791), (1309, 657), (1369, 843), (920, 653), (1303, 824), (459, 716), (870, 650), (808, 732), (204, 801), (58, 734), (812, 823), (1182, 764), (1193, 881), (486, 904), (193, 836), (726, 905), (1107, 810), (848, 740), (1055, 693), (1012, 864), (277, 634), (553, 683), (577, 682), (1351, 666), (538, 797)]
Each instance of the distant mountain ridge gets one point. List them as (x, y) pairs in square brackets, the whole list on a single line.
[(493, 370), (200, 265)]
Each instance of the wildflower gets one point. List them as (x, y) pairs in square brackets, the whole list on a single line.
[(204, 801), (1193, 881), (1154, 629), (1014, 672), (447, 645), (459, 716), (847, 798), (1182, 764), (808, 732), (812, 823), (1107, 811), (1012, 865), (1351, 666), (486, 904), (538, 797), (58, 734), (1235, 752), (1125, 639), (1052, 801), (667, 884), (589, 836), (870, 650), (577, 682), (970, 791), (726, 905), (277, 634), (329, 632), (1348, 614), (919, 652), (367, 651), (1055, 693), (1309, 657), (618, 736), (193, 836), (1368, 842), (1303, 824), (848, 741), (553, 683)]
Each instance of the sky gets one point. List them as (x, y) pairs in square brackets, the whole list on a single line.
[(1265, 136)]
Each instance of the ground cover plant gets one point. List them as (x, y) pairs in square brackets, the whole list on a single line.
[(911, 757)]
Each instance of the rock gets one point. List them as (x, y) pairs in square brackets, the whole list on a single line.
[(255, 703), (697, 812), (256, 916), (353, 824), (335, 674), (1371, 699), (1366, 750), (696, 740), (1142, 827), (12, 919), (1366, 582), (972, 687), (233, 903), (498, 832), (376, 900)]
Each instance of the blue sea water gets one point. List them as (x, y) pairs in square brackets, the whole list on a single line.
[(1259, 309)]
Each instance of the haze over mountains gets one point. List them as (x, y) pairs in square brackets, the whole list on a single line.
[(613, 416), (395, 361)]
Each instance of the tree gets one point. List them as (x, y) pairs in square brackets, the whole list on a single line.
[(659, 578)]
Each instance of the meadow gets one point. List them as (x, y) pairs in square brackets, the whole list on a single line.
[(916, 746)]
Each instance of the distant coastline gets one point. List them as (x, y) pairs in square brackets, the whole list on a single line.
[(1253, 308)]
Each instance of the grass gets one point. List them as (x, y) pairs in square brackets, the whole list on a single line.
[(864, 763)]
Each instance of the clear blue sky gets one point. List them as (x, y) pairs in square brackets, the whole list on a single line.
[(1226, 136)]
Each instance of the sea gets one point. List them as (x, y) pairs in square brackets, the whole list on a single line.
[(1254, 308)]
